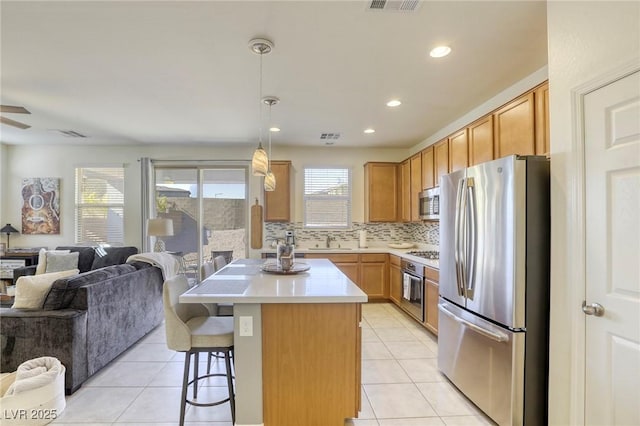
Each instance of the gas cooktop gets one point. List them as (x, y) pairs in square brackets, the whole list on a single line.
[(426, 254)]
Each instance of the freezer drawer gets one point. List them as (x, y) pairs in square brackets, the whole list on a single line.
[(484, 361)]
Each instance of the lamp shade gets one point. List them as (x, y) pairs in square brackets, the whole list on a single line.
[(269, 181), (160, 227), (260, 162), (8, 229)]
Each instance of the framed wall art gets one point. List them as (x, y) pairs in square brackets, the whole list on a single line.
[(41, 206)]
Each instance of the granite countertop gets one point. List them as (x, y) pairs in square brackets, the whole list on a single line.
[(242, 281), (433, 263)]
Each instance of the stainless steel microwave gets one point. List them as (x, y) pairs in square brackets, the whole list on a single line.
[(429, 203)]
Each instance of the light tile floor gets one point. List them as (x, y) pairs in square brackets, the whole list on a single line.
[(401, 384)]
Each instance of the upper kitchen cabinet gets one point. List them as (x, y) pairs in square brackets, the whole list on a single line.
[(441, 159), (405, 191), (416, 186), (514, 127), (277, 204), (427, 168), (481, 141), (541, 94), (381, 192), (458, 148)]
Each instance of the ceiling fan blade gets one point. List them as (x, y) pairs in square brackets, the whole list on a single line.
[(5, 120), (14, 109)]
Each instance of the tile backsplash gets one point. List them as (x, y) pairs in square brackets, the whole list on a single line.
[(377, 233)]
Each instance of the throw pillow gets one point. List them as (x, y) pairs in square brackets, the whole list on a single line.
[(31, 290), (61, 261), (42, 259)]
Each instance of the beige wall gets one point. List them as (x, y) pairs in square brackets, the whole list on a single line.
[(59, 161), (586, 40), (3, 169)]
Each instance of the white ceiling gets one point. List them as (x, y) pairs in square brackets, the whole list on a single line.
[(159, 72)]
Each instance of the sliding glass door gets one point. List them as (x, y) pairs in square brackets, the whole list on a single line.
[(207, 207)]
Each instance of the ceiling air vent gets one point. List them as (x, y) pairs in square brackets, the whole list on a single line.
[(394, 5), (71, 133), (324, 136)]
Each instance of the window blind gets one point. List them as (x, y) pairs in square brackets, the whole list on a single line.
[(327, 197), (99, 209)]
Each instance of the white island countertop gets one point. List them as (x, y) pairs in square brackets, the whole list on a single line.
[(243, 281)]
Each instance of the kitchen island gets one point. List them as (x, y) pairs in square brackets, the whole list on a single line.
[(297, 342)]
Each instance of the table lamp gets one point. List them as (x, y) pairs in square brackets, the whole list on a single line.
[(159, 227), (8, 229)]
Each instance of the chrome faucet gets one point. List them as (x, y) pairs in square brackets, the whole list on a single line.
[(329, 239)]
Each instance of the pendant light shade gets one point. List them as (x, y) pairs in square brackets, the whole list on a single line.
[(269, 178), (260, 162), (269, 181)]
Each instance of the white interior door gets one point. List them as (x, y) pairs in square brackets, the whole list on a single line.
[(612, 166)]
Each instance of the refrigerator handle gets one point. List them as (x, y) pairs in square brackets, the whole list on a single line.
[(498, 337), (471, 249), (458, 229)]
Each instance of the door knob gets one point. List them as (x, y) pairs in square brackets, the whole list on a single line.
[(592, 309)]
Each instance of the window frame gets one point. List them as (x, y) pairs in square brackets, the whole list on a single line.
[(347, 198)]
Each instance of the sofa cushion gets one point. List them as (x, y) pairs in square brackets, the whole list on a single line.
[(42, 259), (113, 256), (32, 290), (85, 257), (64, 290), (61, 262)]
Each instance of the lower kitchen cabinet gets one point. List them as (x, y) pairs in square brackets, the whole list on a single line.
[(367, 271), (351, 270), (395, 279), (373, 275), (297, 369), (432, 277)]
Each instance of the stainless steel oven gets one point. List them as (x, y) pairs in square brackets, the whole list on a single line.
[(412, 289)]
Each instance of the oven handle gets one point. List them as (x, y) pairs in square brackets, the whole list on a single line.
[(498, 337)]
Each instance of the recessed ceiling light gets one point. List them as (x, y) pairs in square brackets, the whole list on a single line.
[(274, 129), (369, 131), (440, 51), (394, 103)]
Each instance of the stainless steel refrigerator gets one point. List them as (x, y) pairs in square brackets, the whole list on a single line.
[(493, 309)]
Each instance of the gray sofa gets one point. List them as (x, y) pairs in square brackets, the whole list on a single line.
[(86, 321)]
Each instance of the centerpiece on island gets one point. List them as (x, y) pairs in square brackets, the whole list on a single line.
[(285, 261)]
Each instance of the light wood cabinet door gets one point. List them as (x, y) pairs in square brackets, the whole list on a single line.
[(416, 186), (541, 95), (405, 185), (514, 127), (431, 321), (441, 159), (381, 192), (481, 141), (458, 151), (432, 277), (395, 281), (427, 168), (373, 280), (310, 352), (277, 204), (351, 270)]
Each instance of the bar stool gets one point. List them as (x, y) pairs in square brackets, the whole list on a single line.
[(191, 330), (221, 309)]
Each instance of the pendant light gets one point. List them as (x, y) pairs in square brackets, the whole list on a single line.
[(269, 178), (260, 161)]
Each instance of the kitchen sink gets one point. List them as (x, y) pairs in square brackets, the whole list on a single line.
[(330, 248)]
